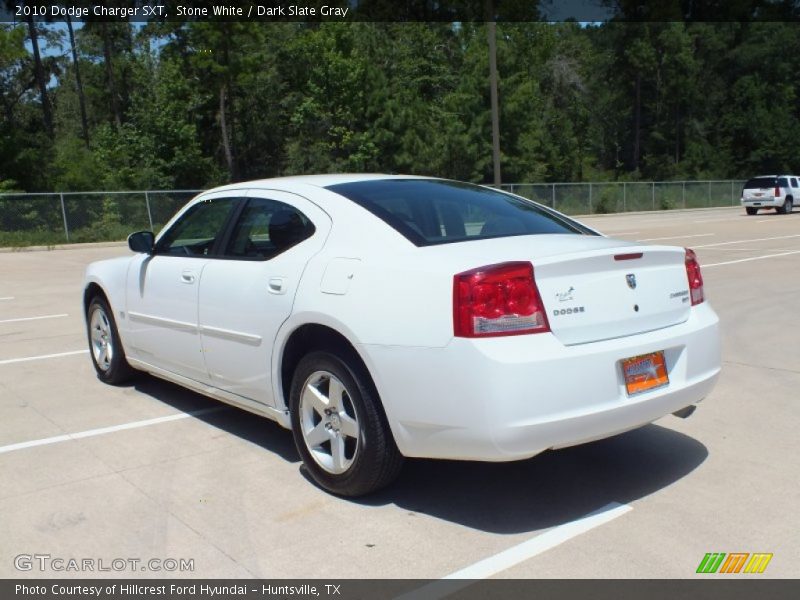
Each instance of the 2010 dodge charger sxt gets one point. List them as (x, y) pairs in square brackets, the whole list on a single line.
[(381, 317)]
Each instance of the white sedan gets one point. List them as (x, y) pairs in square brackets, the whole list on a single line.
[(381, 317)]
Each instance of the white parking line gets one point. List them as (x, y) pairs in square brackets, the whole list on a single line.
[(103, 430), (766, 239), (19, 320), (619, 232), (717, 220), (519, 553), (6, 298), (741, 260), (11, 361), (676, 237), (541, 543)]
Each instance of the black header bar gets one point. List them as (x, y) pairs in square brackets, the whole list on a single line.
[(405, 589), (403, 10)]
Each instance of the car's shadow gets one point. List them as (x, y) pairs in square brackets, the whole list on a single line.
[(771, 213), (547, 490), (550, 489), (247, 426)]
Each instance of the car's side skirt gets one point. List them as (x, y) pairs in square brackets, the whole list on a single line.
[(279, 416)]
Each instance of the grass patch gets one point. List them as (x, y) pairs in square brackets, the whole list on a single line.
[(38, 237)]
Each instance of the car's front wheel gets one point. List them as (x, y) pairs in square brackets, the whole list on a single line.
[(339, 427), (108, 356)]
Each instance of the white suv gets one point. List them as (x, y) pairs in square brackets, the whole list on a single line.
[(770, 191)]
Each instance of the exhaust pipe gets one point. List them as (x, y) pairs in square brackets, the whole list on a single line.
[(685, 413)]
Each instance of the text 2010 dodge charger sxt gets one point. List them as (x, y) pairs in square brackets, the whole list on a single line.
[(384, 316)]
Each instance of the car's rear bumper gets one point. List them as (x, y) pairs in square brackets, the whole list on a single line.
[(767, 202), (510, 398)]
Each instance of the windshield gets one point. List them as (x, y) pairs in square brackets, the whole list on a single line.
[(429, 211)]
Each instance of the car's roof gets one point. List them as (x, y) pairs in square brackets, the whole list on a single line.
[(315, 180)]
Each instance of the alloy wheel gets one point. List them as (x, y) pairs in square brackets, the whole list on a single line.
[(329, 422), (102, 341)]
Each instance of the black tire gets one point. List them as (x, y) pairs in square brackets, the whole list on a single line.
[(787, 207), (375, 460), (751, 211), (115, 369)]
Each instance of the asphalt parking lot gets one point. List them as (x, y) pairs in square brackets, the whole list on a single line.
[(151, 470)]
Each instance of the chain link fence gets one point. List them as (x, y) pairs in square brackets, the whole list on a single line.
[(73, 217), (618, 196)]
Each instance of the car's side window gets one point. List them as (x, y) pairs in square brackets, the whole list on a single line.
[(782, 182), (196, 232), (266, 228), (794, 182)]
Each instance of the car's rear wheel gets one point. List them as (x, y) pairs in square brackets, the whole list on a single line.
[(339, 427), (105, 348), (751, 211)]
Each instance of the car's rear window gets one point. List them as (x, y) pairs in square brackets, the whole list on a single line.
[(758, 183), (438, 212)]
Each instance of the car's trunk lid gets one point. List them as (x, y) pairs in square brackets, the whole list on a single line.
[(603, 294)]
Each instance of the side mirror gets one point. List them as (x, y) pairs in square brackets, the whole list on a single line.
[(142, 241)]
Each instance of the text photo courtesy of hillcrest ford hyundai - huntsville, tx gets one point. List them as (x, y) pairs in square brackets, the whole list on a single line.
[(311, 304)]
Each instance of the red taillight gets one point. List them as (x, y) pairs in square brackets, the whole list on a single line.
[(777, 191), (497, 300), (695, 278)]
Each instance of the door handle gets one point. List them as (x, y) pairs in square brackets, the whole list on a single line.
[(187, 277), (276, 285)]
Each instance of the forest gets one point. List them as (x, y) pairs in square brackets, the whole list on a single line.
[(132, 106)]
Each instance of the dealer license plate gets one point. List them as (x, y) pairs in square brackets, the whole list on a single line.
[(644, 373)]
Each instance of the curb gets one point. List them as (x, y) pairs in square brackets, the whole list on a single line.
[(63, 247)]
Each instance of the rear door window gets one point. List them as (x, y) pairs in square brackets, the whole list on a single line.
[(430, 212), (265, 229)]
